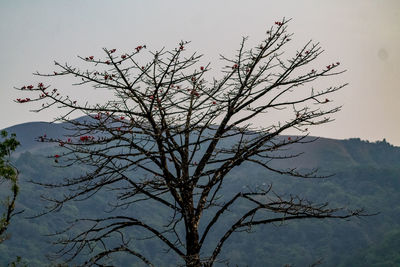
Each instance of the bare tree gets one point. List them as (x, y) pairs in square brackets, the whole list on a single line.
[(170, 137)]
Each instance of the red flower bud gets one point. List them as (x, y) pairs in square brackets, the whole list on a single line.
[(214, 102), (91, 57), (123, 56), (56, 156), (202, 68), (113, 50)]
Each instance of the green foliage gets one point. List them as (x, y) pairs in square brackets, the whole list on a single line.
[(371, 241), (367, 175), (7, 146), (9, 175)]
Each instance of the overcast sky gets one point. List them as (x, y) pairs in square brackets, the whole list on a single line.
[(364, 35)]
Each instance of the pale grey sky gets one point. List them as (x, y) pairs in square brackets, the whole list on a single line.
[(364, 35)]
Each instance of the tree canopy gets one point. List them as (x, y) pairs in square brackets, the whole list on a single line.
[(163, 139)]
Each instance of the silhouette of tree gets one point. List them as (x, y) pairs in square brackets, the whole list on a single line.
[(170, 137)]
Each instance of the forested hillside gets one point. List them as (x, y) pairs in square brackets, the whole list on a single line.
[(367, 175)]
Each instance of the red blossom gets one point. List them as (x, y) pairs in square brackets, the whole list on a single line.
[(328, 67), (23, 100), (151, 97), (23, 87), (194, 92), (113, 50), (56, 156), (181, 47), (122, 118), (107, 62), (289, 138), (123, 56), (85, 138), (91, 57), (97, 116), (214, 102), (235, 66), (201, 68), (142, 67), (29, 86)]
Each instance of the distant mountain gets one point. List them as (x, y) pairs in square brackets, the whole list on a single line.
[(366, 175), (348, 152)]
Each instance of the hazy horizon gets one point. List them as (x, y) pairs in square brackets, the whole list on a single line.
[(363, 35)]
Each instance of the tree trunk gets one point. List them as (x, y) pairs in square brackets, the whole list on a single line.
[(192, 247), (192, 234)]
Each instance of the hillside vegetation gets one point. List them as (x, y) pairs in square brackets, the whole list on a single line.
[(367, 175)]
